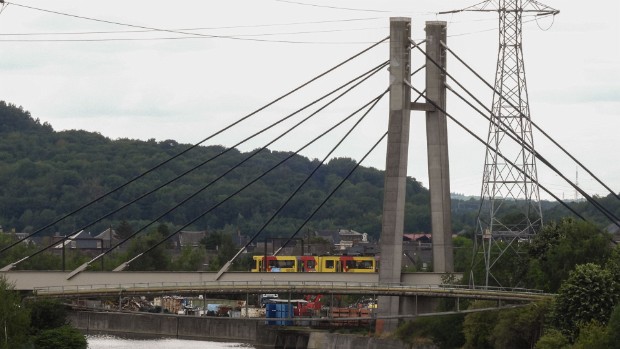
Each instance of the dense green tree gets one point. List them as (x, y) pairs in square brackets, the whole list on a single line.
[(46, 314), (65, 337), (124, 230), (559, 247), (156, 259), (552, 339), (14, 318), (613, 328), (478, 327), (613, 265), (520, 327), (592, 335), (588, 294), (463, 249), (191, 259)]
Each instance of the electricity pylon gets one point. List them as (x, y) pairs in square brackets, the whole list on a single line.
[(510, 209)]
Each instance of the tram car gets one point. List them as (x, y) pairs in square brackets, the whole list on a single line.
[(309, 264)]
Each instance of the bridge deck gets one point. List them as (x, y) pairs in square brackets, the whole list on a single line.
[(55, 283)]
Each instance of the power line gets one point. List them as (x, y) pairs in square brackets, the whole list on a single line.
[(189, 37), (212, 36), (150, 31), (332, 7)]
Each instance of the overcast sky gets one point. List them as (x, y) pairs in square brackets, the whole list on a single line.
[(125, 82)]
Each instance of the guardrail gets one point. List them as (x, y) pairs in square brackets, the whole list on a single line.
[(487, 292)]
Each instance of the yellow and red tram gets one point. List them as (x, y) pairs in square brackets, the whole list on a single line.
[(308, 264)]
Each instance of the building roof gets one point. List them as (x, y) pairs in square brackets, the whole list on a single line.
[(417, 237), (108, 234), (191, 238)]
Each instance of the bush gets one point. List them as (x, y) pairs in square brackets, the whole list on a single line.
[(65, 337)]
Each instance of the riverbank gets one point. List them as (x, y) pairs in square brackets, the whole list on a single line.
[(253, 332)]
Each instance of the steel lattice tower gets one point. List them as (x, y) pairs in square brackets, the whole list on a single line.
[(510, 201)]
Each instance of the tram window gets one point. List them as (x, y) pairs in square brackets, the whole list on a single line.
[(329, 264), (311, 264)]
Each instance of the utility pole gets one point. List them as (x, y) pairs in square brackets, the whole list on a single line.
[(504, 187)]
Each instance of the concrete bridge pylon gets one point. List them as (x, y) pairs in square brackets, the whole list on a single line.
[(400, 107)]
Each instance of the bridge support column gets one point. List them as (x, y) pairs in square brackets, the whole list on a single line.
[(437, 148), (396, 166)]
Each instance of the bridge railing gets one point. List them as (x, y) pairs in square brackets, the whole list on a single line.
[(253, 286)]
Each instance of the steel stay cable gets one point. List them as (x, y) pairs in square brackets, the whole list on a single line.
[(368, 74), (514, 136), (333, 191), (371, 73), (501, 125), (316, 168), (532, 122), (321, 205), (609, 215), (124, 265), (488, 146), (308, 82), (520, 141)]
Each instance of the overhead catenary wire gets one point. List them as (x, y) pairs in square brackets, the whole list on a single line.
[(125, 264), (368, 73), (316, 168), (224, 129)]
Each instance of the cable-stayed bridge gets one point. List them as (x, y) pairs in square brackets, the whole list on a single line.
[(405, 95)]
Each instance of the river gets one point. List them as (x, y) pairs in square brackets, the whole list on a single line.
[(109, 342)]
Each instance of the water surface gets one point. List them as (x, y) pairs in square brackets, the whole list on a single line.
[(110, 342)]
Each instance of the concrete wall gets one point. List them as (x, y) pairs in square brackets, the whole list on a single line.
[(146, 325), (323, 340), (256, 333)]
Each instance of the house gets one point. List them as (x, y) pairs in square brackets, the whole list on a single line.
[(422, 240), (187, 238), (107, 238), (81, 240)]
